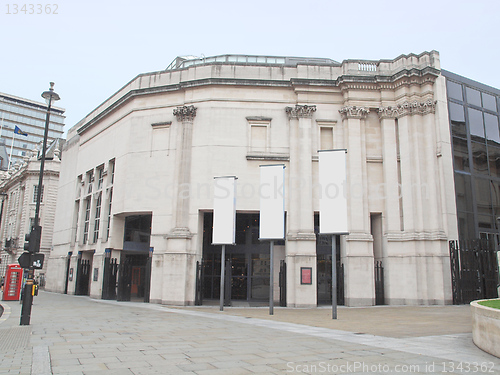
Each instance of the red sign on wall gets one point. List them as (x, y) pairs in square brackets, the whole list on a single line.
[(305, 275)]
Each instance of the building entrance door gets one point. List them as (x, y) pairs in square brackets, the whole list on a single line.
[(132, 281), (248, 262)]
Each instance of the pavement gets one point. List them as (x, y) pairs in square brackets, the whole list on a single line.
[(78, 335)]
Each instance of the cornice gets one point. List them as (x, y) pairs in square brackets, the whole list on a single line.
[(344, 82), (408, 109)]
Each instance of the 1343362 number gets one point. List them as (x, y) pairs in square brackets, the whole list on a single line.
[(32, 9)]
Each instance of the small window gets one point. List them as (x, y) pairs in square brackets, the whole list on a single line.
[(100, 177), (473, 96), (326, 138), (491, 125), (476, 126), (489, 102), (90, 181), (454, 90), (258, 140)]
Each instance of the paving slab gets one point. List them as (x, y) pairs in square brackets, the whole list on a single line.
[(79, 335)]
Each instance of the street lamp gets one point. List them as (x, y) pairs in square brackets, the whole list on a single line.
[(36, 231)]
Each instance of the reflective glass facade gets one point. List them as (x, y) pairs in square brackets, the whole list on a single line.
[(474, 112), (29, 116)]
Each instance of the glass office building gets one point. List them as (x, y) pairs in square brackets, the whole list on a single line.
[(29, 116), (474, 123)]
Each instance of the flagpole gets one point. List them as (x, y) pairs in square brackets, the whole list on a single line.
[(1, 126), (11, 147)]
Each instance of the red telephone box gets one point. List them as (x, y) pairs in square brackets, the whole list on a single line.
[(13, 282)]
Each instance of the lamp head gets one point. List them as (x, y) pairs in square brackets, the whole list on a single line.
[(51, 95)]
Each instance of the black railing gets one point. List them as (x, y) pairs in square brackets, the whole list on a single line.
[(379, 284), (474, 270)]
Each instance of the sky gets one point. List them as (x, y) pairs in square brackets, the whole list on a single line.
[(91, 49)]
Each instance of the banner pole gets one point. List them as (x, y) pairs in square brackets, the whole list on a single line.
[(334, 276), (271, 279), (222, 274)]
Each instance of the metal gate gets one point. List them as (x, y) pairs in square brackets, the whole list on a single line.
[(282, 283), (379, 284), (110, 275), (82, 277), (474, 272), (124, 279), (198, 297)]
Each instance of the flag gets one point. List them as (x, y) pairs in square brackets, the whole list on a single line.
[(20, 132)]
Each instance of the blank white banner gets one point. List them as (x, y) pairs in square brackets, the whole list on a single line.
[(224, 225), (272, 202), (332, 200)]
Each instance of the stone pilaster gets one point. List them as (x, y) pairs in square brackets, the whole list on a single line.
[(185, 116), (358, 256), (390, 170), (352, 117), (174, 265), (301, 240)]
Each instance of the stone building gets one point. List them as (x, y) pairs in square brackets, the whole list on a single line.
[(135, 198), (18, 192)]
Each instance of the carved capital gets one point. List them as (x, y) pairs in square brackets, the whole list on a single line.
[(304, 111), (408, 109), (353, 112), (185, 113)]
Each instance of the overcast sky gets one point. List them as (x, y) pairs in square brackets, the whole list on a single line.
[(90, 48)]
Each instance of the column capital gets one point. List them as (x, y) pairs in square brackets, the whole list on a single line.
[(353, 112), (408, 109), (304, 111), (185, 113)]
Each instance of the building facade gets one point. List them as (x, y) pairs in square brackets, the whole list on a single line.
[(29, 116), (18, 193), (135, 203)]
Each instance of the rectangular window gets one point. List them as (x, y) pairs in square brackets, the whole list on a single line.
[(454, 90), (326, 138), (491, 125), (109, 212), (473, 96), (87, 221), (112, 169), (489, 102), (35, 194), (77, 213), (460, 154), (90, 181), (97, 217), (476, 125), (457, 118), (258, 138), (100, 177)]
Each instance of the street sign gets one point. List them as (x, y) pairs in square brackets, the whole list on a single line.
[(35, 261)]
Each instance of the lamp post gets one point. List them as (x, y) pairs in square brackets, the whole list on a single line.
[(50, 96)]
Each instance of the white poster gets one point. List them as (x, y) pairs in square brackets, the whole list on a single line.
[(333, 199), (224, 225), (272, 202)]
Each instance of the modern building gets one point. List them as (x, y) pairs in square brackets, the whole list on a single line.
[(29, 116), (18, 193), (135, 203), (474, 112)]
